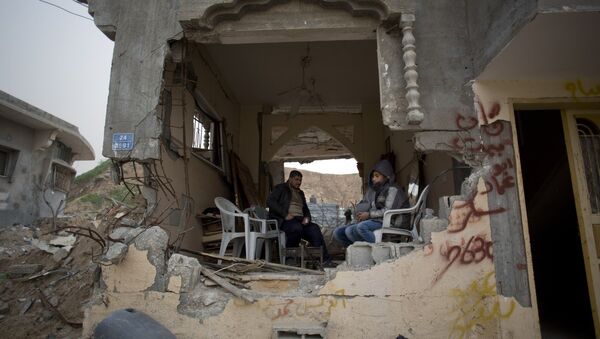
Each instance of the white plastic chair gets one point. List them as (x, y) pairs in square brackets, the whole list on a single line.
[(228, 213), (250, 236), (269, 230), (415, 213)]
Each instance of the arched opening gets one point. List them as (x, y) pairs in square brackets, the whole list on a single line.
[(273, 90)]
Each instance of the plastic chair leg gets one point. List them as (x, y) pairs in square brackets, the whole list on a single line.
[(267, 250), (281, 241), (237, 247), (224, 242), (378, 235), (251, 249), (259, 247)]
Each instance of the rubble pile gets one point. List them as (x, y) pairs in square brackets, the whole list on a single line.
[(48, 270)]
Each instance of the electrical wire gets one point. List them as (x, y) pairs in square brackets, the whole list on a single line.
[(66, 10)]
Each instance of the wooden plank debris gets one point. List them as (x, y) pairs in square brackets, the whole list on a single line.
[(226, 285)]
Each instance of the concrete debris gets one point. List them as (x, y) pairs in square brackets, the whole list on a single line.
[(65, 241), (445, 204), (44, 246), (434, 224), (125, 234), (60, 254), (24, 269), (364, 255), (128, 222), (155, 240), (209, 283), (47, 315), (187, 268), (26, 305), (67, 262), (208, 299), (115, 254), (4, 308)]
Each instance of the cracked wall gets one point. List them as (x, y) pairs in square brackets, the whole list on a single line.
[(444, 289)]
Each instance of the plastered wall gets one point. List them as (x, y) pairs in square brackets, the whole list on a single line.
[(446, 289), (22, 200), (205, 181)]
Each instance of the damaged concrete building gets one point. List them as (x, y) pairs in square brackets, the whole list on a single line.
[(37, 151), (494, 104)]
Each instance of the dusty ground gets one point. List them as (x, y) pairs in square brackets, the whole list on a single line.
[(49, 302), (67, 286)]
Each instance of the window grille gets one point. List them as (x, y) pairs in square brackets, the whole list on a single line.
[(8, 162), (63, 152), (206, 142), (203, 132), (589, 138), (61, 178), (3, 163)]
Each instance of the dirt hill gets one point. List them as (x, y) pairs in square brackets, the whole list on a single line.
[(341, 189)]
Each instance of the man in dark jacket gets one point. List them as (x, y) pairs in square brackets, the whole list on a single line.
[(287, 204)]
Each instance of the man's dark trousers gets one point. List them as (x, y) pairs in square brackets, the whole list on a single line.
[(294, 231)]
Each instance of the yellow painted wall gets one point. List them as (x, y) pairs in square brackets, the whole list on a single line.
[(444, 290)]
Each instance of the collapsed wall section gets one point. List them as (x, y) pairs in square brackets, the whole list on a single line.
[(446, 288)]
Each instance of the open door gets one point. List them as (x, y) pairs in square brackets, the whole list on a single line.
[(561, 265), (582, 136)]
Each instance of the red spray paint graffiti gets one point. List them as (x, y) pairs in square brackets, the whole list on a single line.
[(500, 177), (474, 251)]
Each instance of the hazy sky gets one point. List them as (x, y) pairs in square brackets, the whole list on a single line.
[(60, 63), (57, 62)]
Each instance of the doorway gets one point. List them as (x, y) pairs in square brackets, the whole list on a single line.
[(558, 266)]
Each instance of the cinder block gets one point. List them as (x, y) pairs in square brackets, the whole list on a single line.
[(432, 225), (359, 255), (445, 204), (364, 255), (381, 252)]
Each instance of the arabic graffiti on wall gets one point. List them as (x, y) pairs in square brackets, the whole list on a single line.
[(317, 308), (499, 178), (578, 90), (477, 304)]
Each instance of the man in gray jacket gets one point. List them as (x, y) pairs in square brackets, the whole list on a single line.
[(383, 194)]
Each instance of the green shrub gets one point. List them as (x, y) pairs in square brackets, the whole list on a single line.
[(94, 172), (120, 193), (92, 198)]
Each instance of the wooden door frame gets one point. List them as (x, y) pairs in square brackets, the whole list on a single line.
[(567, 107)]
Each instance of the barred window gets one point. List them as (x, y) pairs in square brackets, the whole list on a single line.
[(3, 162), (61, 178), (63, 152), (206, 141), (8, 161), (589, 138), (204, 129)]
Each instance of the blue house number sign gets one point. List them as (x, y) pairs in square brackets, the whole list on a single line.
[(122, 142)]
